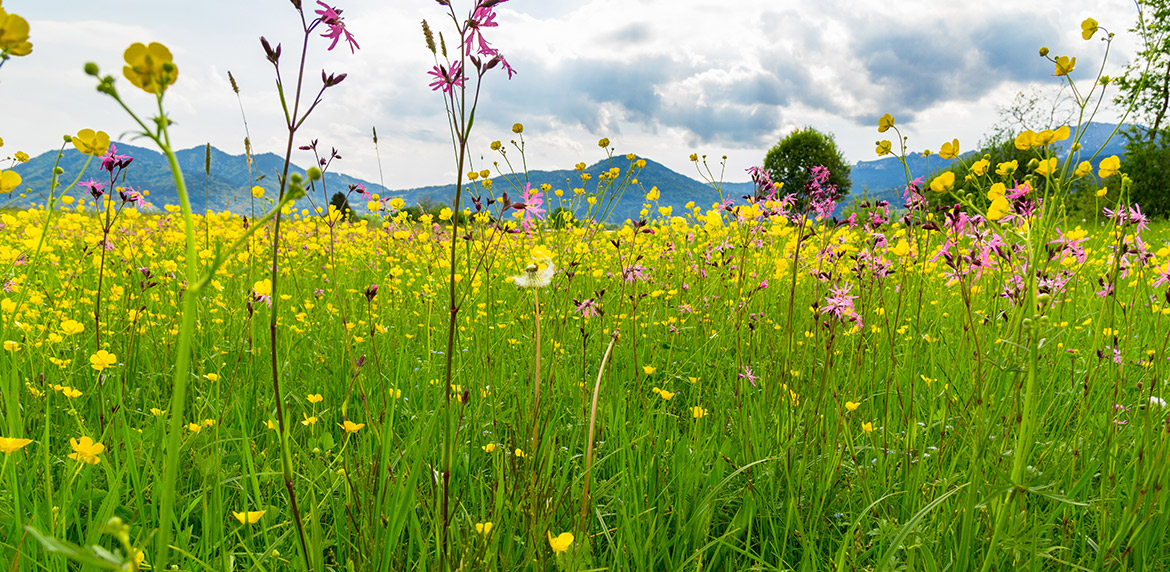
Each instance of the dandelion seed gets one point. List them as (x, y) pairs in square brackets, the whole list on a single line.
[(534, 276)]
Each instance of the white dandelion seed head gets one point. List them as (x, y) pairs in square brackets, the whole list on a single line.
[(536, 275)]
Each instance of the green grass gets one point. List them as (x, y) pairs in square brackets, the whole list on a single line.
[(777, 475)]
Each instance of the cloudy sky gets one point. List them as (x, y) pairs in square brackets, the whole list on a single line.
[(660, 78)]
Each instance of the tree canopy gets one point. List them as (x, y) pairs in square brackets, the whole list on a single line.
[(1146, 81), (789, 160)]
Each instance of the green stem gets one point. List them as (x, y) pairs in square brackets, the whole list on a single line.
[(182, 359)]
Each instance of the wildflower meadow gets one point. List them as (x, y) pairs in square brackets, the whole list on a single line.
[(966, 379)]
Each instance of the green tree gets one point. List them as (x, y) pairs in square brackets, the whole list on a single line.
[(790, 160), (1145, 163), (1146, 85), (1146, 82)]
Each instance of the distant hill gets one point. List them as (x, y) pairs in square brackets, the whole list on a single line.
[(228, 187)]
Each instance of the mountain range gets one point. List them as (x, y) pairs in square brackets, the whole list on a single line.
[(227, 184)]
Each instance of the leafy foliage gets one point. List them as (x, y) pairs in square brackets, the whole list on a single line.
[(789, 161), (1145, 163), (1147, 77)]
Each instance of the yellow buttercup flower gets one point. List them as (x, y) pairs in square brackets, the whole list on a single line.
[(885, 123), (70, 327), (86, 451), (484, 528), (14, 35), (150, 68), (12, 345), (102, 360), (884, 147), (1024, 141), (90, 142), (979, 168), (867, 427), (1049, 136), (1083, 169), (949, 150), (9, 180), (1005, 169), (649, 369), (998, 209), (1065, 65), (1109, 166), (12, 444), (1046, 167), (249, 517), (561, 542), (257, 191), (351, 427), (698, 412), (262, 287), (852, 405), (997, 191), (666, 395), (943, 182), (315, 398), (1088, 28)]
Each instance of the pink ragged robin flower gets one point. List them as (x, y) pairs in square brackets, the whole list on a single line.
[(332, 17)]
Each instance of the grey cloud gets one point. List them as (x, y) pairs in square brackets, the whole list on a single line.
[(916, 69), (740, 113), (737, 126), (630, 34), (576, 91)]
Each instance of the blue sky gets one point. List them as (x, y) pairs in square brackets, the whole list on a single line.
[(659, 78)]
